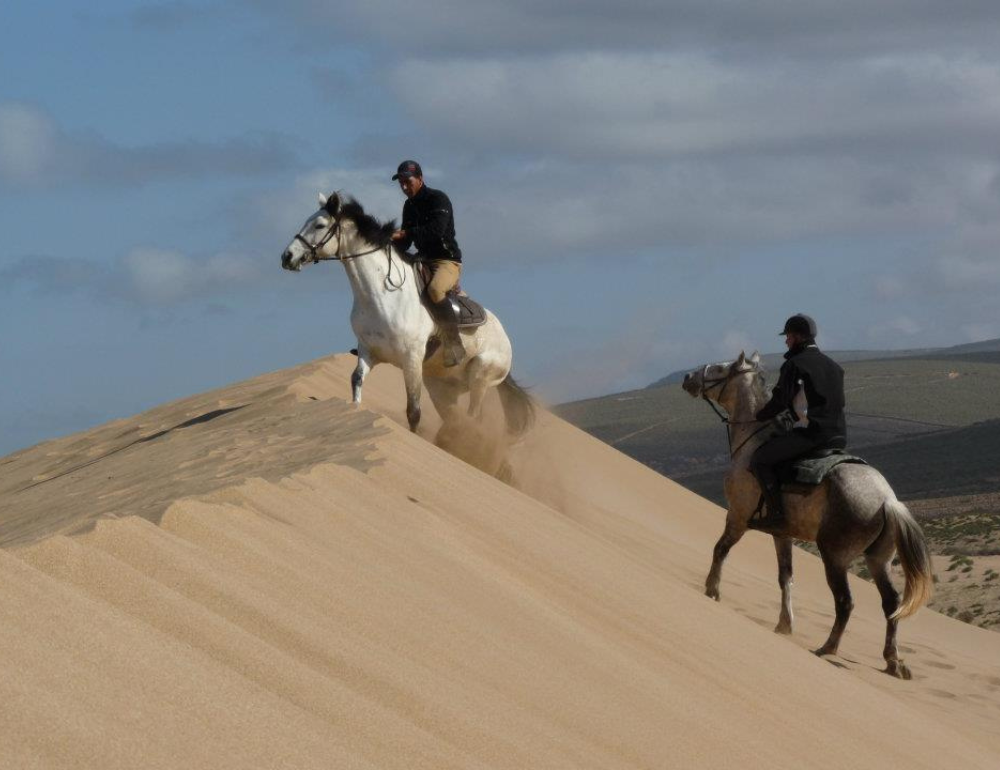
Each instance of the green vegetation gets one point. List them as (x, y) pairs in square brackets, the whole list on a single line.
[(977, 532)]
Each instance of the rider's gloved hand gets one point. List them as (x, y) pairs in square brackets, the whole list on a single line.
[(784, 421)]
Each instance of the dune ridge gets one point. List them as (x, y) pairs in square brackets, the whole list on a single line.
[(266, 576)]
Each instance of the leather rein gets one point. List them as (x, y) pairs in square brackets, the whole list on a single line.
[(724, 382), (315, 256)]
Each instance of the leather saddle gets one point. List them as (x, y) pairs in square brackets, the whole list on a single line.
[(470, 312)]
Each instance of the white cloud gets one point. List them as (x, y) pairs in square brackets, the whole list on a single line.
[(818, 29), (163, 277), (27, 142), (962, 272), (35, 151), (904, 325), (733, 342), (668, 105)]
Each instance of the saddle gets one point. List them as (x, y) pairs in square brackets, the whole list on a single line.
[(812, 468), (471, 313)]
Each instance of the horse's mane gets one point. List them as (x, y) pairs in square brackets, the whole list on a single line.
[(372, 230)]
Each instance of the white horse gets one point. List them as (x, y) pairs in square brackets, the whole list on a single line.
[(393, 325)]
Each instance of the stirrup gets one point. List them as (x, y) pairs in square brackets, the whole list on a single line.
[(766, 518)]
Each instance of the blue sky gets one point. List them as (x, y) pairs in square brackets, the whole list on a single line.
[(639, 186)]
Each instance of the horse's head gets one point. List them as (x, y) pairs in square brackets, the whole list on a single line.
[(318, 238), (727, 383)]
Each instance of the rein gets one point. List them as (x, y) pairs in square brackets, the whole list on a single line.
[(724, 382), (315, 256)]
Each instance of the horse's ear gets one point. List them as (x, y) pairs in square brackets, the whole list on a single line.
[(741, 360), (330, 205), (755, 358)]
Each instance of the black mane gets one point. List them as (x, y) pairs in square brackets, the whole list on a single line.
[(375, 232)]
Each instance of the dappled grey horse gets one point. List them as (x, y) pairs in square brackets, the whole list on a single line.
[(852, 512)]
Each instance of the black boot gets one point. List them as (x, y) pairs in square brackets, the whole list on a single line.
[(772, 518), (447, 313)]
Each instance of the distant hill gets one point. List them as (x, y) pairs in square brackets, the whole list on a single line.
[(889, 401), (772, 361), (961, 461)]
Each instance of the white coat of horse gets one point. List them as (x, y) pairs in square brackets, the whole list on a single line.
[(393, 325)]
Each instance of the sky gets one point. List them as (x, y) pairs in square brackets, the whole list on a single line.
[(639, 186)]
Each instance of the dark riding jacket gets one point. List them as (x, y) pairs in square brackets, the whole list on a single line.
[(429, 223), (823, 382)]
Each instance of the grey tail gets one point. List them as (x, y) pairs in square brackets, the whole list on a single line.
[(518, 406), (914, 557)]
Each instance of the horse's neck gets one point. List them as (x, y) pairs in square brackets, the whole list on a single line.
[(746, 431), (380, 279)]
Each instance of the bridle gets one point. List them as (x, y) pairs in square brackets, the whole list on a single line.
[(716, 382), (313, 254)]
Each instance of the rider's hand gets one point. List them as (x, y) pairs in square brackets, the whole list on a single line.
[(784, 421), (399, 235)]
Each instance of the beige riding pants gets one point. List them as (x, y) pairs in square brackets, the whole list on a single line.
[(445, 278)]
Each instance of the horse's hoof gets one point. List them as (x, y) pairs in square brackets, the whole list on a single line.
[(713, 593), (783, 628), (824, 650), (898, 670)]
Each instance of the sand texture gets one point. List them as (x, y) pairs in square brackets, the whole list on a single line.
[(266, 576)]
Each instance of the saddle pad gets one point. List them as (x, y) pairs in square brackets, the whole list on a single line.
[(812, 470)]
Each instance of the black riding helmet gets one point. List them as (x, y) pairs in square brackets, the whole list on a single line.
[(799, 323)]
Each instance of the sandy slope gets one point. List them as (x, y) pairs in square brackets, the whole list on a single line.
[(264, 576)]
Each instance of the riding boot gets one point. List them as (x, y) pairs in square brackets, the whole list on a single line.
[(772, 518), (448, 314)]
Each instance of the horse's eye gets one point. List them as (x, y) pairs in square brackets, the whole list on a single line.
[(319, 226)]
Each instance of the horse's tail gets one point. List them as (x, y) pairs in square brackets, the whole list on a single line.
[(518, 406), (914, 557)]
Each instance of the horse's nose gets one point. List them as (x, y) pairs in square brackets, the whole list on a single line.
[(687, 377), (286, 258)]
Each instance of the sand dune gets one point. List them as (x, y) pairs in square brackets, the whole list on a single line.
[(267, 577)]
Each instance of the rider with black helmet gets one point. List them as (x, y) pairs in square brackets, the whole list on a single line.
[(822, 381)]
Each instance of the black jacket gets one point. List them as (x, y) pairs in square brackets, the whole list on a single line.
[(430, 224), (823, 382)]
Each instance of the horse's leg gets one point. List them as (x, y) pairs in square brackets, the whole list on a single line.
[(730, 536), (877, 558), (879, 569), (476, 379), (413, 378), (360, 371), (836, 578), (444, 395), (783, 548)]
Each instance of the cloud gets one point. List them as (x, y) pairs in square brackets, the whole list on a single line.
[(817, 29), (36, 152), (160, 277), (275, 215), (964, 273), (28, 141), (53, 275), (975, 332), (904, 325), (143, 277), (175, 14), (631, 105)]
